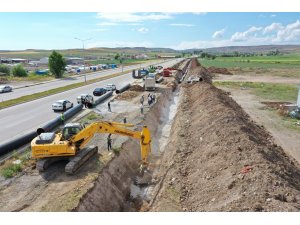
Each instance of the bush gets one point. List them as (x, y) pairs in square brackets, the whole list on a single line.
[(19, 71), (4, 69)]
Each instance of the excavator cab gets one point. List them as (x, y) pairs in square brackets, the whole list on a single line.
[(71, 129)]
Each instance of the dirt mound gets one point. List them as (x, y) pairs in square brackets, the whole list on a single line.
[(213, 69), (136, 88), (279, 106), (127, 95), (219, 160)]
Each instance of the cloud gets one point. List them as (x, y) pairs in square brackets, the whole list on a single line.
[(272, 28), (244, 36), (218, 34), (200, 13), (119, 44), (273, 15), (182, 25), (134, 24), (104, 24), (133, 17), (143, 30), (289, 33)]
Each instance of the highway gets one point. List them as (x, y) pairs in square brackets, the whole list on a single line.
[(16, 93), (20, 119)]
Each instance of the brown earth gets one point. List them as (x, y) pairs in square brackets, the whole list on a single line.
[(213, 69), (218, 159)]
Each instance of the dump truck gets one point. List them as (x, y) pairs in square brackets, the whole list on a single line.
[(150, 82)]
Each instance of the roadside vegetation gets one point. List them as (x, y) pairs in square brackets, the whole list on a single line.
[(16, 164), (268, 91)]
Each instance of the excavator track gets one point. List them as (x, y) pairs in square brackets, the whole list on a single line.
[(77, 161), (43, 164)]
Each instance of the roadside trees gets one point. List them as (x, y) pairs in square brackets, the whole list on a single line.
[(57, 64)]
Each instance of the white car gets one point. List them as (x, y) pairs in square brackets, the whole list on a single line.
[(86, 97), (62, 105), (110, 87), (5, 88)]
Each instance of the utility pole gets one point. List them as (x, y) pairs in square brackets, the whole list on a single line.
[(83, 40)]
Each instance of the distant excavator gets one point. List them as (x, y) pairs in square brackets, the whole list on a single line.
[(71, 144)]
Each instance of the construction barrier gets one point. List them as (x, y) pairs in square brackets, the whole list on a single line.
[(26, 138), (102, 98), (124, 88)]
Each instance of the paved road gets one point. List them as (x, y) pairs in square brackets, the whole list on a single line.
[(20, 119), (16, 93)]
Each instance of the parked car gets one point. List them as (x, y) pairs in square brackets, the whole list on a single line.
[(86, 97), (5, 88), (110, 87), (99, 91), (62, 105)]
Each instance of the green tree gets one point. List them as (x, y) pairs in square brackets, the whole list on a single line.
[(5, 69), (57, 64), (19, 71), (117, 56)]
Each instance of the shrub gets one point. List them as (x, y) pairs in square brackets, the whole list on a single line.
[(4, 69), (19, 71)]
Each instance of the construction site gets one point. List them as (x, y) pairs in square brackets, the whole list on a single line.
[(193, 148)]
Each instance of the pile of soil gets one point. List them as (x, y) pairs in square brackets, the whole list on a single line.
[(218, 159), (213, 69), (275, 105), (136, 88), (126, 95)]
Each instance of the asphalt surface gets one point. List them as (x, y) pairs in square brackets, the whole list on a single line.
[(20, 119), (16, 93)]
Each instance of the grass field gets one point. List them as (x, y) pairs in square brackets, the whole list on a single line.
[(276, 92), (288, 61)]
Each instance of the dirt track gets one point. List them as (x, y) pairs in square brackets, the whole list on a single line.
[(218, 159)]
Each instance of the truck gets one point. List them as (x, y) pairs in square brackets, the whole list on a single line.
[(150, 82)]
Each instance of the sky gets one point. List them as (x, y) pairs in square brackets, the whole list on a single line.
[(179, 31)]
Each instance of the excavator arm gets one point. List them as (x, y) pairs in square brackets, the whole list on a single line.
[(85, 135)]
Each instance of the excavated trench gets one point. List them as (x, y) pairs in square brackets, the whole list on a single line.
[(115, 189)]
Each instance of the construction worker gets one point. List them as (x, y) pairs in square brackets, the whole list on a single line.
[(125, 120), (142, 109), (108, 104), (153, 97), (62, 118), (149, 99), (142, 99), (109, 142)]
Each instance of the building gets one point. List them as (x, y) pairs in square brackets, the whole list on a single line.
[(74, 61), (141, 56)]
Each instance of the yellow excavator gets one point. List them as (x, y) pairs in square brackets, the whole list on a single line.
[(70, 144)]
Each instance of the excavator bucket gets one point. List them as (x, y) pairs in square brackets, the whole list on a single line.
[(144, 176)]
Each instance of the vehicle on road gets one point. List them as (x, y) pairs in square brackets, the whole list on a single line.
[(110, 87), (99, 91), (86, 97), (62, 105), (5, 88)]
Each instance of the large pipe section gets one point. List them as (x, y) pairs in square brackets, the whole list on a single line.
[(102, 98), (124, 88)]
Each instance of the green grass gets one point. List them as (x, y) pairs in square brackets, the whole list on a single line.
[(279, 92), (91, 117), (281, 61), (9, 169), (27, 98)]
